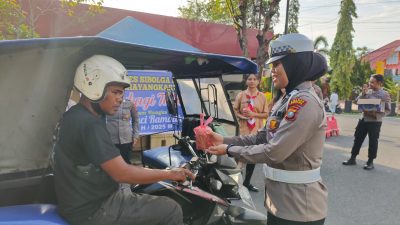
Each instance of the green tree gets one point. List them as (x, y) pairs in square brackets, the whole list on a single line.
[(12, 24), (361, 69), (342, 56), (390, 87), (321, 45), (61, 7), (361, 72), (16, 23), (207, 11), (242, 14), (293, 19)]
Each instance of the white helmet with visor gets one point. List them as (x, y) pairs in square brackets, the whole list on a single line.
[(94, 74)]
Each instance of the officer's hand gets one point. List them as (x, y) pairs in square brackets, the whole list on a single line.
[(180, 174), (217, 150), (370, 113), (215, 138), (364, 89)]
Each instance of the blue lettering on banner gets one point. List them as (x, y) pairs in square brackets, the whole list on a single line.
[(147, 92)]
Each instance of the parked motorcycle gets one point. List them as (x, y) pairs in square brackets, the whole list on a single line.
[(215, 197)]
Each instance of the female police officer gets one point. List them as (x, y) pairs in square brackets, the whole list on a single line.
[(291, 144)]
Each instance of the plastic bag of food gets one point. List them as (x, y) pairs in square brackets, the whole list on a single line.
[(202, 132)]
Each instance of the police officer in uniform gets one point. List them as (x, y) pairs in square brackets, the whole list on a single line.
[(370, 123), (290, 145), (123, 127)]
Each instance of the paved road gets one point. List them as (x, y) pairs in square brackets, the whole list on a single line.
[(356, 196)]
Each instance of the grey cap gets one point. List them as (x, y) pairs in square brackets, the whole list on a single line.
[(288, 44)]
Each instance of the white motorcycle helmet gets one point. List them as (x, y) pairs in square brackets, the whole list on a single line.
[(94, 74)]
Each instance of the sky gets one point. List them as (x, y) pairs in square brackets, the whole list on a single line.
[(378, 21)]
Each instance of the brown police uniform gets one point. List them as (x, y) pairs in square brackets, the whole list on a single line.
[(292, 140)]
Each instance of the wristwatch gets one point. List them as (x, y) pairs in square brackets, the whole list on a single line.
[(227, 150)]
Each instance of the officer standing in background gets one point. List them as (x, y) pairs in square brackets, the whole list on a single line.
[(123, 127), (370, 123), (291, 145)]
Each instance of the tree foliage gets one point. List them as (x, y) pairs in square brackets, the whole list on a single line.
[(293, 17), (342, 56), (95, 6), (361, 69), (208, 11), (390, 86), (321, 45), (16, 23), (12, 24), (242, 14)]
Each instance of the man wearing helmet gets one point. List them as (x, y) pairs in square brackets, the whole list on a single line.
[(89, 168), (290, 145)]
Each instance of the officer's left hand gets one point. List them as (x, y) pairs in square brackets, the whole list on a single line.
[(217, 150)]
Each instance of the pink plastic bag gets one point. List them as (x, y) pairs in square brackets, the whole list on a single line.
[(202, 132)]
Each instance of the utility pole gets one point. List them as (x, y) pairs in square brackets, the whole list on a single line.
[(287, 17)]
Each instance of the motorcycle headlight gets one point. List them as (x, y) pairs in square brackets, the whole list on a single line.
[(215, 185), (235, 176)]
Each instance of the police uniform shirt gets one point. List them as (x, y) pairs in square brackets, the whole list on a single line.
[(380, 94), (124, 124), (293, 140)]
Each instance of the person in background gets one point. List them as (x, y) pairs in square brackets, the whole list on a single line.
[(370, 123), (124, 128), (251, 108), (333, 102), (292, 142), (90, 174)]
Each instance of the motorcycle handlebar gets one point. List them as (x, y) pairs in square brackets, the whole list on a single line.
[(185, 142)]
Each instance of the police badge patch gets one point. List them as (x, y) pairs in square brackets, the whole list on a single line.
[(294, 106), (273, 125)]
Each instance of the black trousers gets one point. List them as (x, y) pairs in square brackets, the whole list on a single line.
[(273, 220), (249, 173), (126, 151), (363, 128)]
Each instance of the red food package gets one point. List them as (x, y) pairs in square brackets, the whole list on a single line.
[(201, 133)]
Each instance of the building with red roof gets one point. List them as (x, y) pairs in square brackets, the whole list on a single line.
[(389, 55), (208, 37)]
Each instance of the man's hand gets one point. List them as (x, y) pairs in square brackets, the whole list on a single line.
[(217, 150), (180, 174), (215, 138), (370, 113), (364, 89)]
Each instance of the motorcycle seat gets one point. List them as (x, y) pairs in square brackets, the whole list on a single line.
[(32, 214)]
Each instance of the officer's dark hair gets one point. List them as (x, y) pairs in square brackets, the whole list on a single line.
[(378, 77), (246, 76)]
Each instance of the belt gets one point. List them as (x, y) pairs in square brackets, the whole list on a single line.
[(292, 177)]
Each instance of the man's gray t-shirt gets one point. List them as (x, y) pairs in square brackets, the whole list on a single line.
[(82, 146)]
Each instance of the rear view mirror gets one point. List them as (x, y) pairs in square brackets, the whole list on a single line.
[(171, 102)]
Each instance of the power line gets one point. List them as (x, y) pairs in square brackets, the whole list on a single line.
[(366, 22), (356, 4)]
